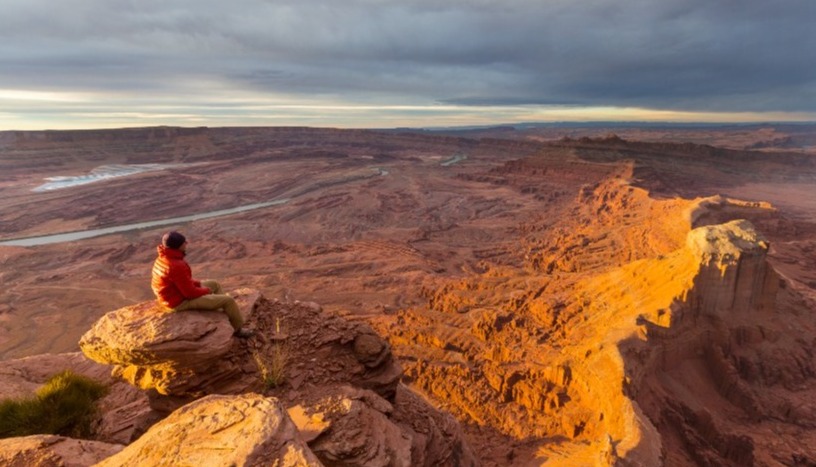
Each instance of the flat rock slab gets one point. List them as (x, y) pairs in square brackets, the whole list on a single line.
[(51, 450), (144, 334)]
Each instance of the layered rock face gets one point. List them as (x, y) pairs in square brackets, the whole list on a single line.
[(690, 361), (182, 355), (634, 338), (734, 273), (728, 376)]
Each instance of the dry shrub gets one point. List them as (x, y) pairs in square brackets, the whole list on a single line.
[(273, 366)]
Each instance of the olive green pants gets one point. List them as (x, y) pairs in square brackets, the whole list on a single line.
[(214, 301)]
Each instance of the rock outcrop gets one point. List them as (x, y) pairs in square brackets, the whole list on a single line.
[(724, 363), (175, 357), (645, 332), (358, 430), (323, 349), (51, 450), (338, 379), (734, 273), (220, 430), (670, 322), (342, 387), (348, 426)]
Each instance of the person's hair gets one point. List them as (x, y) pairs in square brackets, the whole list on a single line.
[(173, 240)]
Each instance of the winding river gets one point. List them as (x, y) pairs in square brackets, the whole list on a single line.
[(106, 172), (73, 236)]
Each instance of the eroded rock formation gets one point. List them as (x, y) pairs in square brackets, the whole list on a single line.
[(724, 364), (347, 426), (646, 361), (174, 357), (734, 273)]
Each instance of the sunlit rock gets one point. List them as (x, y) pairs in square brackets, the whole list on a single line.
[(220, 430)]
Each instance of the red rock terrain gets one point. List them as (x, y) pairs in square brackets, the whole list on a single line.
[(572, 302)]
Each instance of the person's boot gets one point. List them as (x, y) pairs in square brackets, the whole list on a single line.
[(244, 333)]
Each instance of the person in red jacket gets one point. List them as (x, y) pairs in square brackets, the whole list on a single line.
[(176, 290)]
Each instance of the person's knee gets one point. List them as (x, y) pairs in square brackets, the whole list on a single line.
[(214, 286)]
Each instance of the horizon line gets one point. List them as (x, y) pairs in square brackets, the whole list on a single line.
[(515, 125)]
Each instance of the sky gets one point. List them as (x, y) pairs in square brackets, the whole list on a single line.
[(420, 63)]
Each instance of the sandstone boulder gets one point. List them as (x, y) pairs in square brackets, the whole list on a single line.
[(145, 335), (219, 430), (358, 430), (180, 355), (51, 451), (353, 427)]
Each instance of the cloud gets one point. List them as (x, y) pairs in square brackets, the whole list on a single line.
[(686, 55)]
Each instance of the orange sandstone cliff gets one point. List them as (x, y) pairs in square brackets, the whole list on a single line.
[(680, 346)]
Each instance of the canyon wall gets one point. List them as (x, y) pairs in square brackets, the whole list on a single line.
[(673, 353)]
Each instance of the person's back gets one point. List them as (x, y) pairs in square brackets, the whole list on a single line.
[(176, 290), (172, 280)]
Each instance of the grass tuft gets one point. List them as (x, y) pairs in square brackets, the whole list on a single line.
[(65, 405), (273, 367)]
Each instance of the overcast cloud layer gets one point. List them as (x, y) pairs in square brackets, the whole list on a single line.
[(98, 63)]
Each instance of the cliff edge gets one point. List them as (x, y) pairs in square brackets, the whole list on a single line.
[(337, 399)]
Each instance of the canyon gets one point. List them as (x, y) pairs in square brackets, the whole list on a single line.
[(571, 297)]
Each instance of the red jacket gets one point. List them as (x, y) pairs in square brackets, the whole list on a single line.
[(173, 280)]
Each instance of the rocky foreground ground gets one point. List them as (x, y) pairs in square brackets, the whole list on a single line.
[(575, 301), (187, 392)]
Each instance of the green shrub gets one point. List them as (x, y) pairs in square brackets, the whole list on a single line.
[(64, 405)]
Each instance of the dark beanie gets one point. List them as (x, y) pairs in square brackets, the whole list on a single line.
[(173, 240)]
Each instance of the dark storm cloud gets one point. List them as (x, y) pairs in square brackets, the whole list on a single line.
[(725, 55)]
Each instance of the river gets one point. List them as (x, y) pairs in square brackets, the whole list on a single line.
[(73, 236)]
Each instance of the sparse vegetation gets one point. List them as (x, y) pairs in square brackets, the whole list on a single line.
[(64, 405), (273, 366)]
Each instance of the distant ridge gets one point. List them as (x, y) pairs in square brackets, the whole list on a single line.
[(609, 124)]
